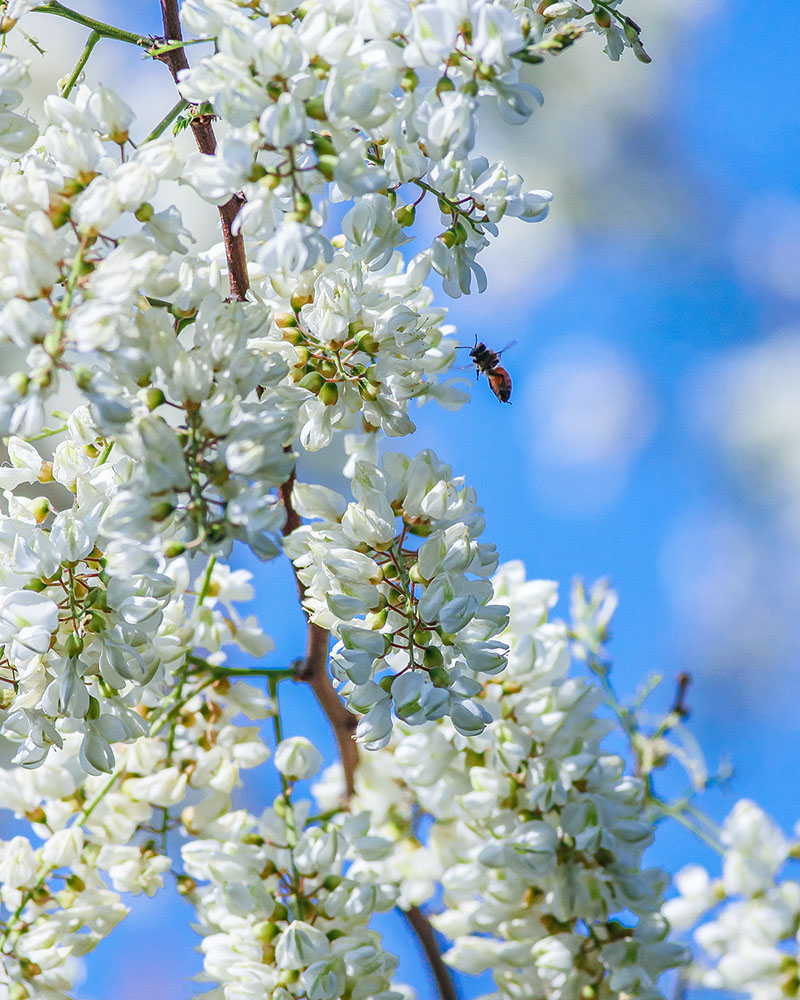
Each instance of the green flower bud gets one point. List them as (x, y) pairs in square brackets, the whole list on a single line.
[(432, 658), (302, 206), (313, 382), (322, 144), (444, 84), (161, 510), (82, 376), (409, 81), (326, 164), (315, 108), (329, 394), (257, 172), (151, 397), (74, 645), (602, 17), (440, 677), (19, 382), (405, 215), (75, 882), (367, 343), (300, 299), (144, 212)]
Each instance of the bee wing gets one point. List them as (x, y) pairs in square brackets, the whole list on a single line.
[(509, 345)]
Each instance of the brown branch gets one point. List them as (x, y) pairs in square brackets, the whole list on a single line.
[(203, 132), (314, 669), (424, 931)]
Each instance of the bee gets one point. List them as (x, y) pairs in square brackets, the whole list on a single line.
[(488, 362)]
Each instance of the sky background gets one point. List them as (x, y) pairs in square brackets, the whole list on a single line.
[(654, 431)]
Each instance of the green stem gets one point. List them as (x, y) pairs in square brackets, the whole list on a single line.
[(206, 584), (161, 50), (173, 727), (94, 38), (291, 823), (402, 569), (278, 673), (168, 119), (47, 433), (103, 30), (693, 827)]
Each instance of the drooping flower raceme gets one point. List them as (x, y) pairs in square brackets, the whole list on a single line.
[(745, 924), (414, 623), (537, 834)]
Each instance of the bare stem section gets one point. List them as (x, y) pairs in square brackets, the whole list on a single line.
[(424, 931), (203, 132)]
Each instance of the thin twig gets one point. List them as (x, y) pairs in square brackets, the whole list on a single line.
[(94, 38), (203, 132), (102, 29), (167, 120), (314, 668), (424, 931)]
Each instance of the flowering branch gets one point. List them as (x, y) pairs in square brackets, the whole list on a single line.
[(203, 132), (314, 668)]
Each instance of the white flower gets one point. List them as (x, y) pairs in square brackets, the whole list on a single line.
[(297, 758), (300, 946)]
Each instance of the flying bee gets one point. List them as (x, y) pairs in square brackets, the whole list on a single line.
[(488, 362)]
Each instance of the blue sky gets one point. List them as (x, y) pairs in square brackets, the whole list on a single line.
[(661, 300)]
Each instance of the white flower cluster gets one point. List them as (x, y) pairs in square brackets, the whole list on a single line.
[(362, 341), (746, 922), (60, 889), (376, 102), (414, 621), (537, 834), (91, 626), (280, 915)]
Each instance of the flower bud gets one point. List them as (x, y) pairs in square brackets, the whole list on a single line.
[(315, 108), (297, 758), (405, 215), (74, 645), (329, 394), (326, 164), (313, 382)]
